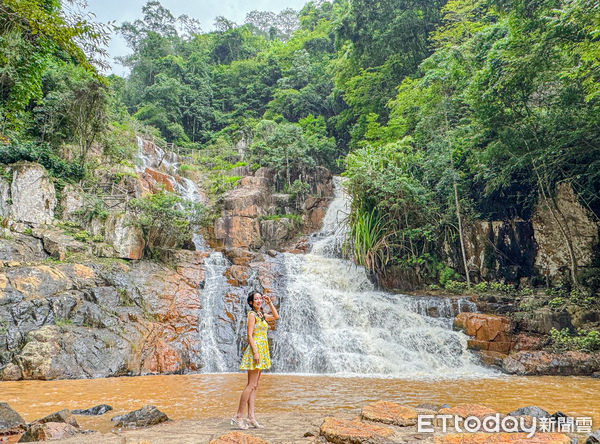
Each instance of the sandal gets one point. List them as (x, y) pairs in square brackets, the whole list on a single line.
[(239, 422), (255, 423)]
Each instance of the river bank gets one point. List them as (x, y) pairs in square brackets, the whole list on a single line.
[(201, 404)]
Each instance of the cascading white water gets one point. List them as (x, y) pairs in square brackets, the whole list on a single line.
[(333, 321), (211, 300), (168, 162), (217, 348)]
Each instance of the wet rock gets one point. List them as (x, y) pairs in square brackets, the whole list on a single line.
[(124, 235), (237, 275), (594, 438), (502, 438), (239, 256), (389, 413), (464, 410), (546, 363), (33, 195), (93, 411), (427, 406), (533, 410), (343, 431), (275, 232), (144, 417), (10, 421), (49, 431), (238, 231), (161, 178), (491, 358), (489, 332), (64, 415), (238, 438)]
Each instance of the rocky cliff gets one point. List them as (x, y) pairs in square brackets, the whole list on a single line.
[(77, 299)]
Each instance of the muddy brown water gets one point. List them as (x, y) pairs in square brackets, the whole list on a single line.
[(201, 396)]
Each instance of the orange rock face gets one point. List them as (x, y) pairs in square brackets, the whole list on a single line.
[(502, 438), (489, 332), (162, 178), (237, 275), (389, 413), (238, 438), (344, 431)]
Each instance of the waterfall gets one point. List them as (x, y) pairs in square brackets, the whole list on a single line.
[(211, 300), (333, 321)]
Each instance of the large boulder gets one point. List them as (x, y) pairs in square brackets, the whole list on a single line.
[(144, 417), (64, 415), (72, 352), (532, 410), (356, 432), (100, 409), (389, 412), (32, 193), (125, 236), (10, 421), (49, 431), (489, 332)]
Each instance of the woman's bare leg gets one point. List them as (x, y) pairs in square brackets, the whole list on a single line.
[(253, 397), (248, 390)]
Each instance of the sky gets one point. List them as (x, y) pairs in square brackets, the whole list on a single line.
[(203, 10)]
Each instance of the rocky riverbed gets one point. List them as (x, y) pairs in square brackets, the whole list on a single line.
[(376, 422)]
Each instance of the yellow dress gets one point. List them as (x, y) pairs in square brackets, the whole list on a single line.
[(262, 346)]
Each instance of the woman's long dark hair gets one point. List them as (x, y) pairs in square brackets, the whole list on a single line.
[(251, 303)]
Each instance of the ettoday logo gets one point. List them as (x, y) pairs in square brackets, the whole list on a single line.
[(507, 424)]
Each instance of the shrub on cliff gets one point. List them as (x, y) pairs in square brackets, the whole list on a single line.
[(166, 220)]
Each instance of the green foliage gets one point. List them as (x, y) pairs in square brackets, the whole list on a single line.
[(33, 34), (583, 340), (165, 218), (556, 303), (45, 155), (446, 274), (457, 287), (369, 240)]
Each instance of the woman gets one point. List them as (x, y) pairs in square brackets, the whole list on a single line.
[(256, 357)]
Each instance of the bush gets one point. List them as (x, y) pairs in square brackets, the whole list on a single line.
[(456, 286), (165, 215), (43, 154), (583, 340)]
